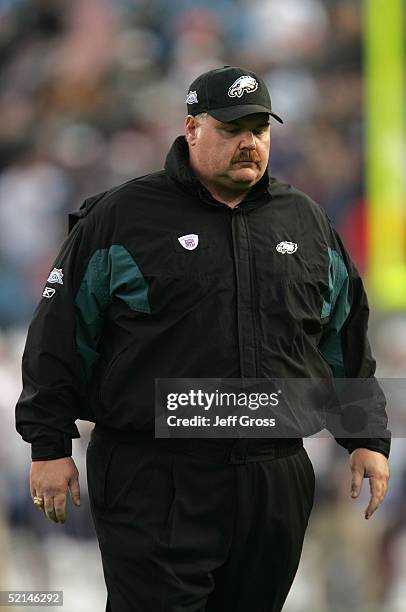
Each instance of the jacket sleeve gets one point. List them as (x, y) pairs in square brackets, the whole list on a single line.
[(345, 346), (54, 383)]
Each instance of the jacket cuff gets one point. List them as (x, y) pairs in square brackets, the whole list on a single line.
[(53, 450), (379, 445)]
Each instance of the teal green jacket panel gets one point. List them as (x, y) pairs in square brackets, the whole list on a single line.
[(111, 273)]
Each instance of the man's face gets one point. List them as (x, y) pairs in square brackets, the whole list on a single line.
[(231, 155)]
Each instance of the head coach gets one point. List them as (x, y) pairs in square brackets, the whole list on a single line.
[(210, 268)]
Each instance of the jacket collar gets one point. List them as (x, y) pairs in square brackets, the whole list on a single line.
[(178, 169)]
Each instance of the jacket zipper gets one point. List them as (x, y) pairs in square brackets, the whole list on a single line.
[(242, 328), (234, 212), (252, 299)]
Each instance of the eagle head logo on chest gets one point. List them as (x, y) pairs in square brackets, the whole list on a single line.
[(286, 247)]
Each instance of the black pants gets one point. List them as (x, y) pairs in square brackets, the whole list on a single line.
[(207, 528)]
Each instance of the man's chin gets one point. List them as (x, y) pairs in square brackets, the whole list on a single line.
[(244, 176)]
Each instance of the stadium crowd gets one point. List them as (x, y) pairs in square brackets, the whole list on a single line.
[(92, 94)]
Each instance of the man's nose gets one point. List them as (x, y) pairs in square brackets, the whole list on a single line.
[(248, 140)]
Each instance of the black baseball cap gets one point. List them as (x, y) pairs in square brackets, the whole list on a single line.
[(229, 93)]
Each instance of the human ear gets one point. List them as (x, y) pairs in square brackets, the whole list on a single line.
[(190, 130)]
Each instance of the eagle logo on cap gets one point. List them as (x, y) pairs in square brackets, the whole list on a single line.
[(244, 84)]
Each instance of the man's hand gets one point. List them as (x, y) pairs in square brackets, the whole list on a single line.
[(51, 480), (375, 466)]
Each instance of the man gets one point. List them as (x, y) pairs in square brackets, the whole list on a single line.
[(188, 273)]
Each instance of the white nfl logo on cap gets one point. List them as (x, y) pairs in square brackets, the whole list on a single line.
[(191, 98)]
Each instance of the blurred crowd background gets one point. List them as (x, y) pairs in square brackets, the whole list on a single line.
[(92, 94)]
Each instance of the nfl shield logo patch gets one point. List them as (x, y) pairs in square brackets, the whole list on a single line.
[(189, 241), (56, 276)]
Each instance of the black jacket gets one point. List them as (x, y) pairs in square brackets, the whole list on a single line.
[(131, 304)]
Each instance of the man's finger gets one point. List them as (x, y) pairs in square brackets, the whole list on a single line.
[(378, 492), (38, 496), (49, 508), (60, 507), (75, 490), (356, 483)]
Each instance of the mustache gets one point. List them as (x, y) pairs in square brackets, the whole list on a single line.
[(247, 156)]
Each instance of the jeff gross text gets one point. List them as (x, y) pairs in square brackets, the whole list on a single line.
[(216, 399)]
